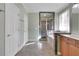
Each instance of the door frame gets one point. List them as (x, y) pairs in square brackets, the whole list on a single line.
[(53, 13)]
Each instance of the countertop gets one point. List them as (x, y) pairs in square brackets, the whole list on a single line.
[(61, 32), (74, 36)]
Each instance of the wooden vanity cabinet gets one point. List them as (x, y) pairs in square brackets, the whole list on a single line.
[(73, 51), (69, 46), (64, 46), (72, 47)]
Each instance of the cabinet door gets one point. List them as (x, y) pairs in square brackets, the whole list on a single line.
[(61, 42), (77, 51), (64, 47), (73, 51)]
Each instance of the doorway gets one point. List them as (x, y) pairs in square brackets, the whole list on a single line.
[(46, 24)]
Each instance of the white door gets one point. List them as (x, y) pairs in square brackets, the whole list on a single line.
[(2, 41), (11, 29), (9, 45)]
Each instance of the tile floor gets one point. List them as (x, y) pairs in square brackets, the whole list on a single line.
[(41, 48)]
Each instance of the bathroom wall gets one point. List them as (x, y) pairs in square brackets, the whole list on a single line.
[(33, 26), (75, 23)]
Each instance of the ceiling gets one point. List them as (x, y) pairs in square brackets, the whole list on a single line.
[(50, 7)]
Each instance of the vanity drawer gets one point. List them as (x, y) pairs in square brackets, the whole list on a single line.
[(66, 39), (72, 41), (77, 43)]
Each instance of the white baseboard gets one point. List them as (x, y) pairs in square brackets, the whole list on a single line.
[(20, 48)]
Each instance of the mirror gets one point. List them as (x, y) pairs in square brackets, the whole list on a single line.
[(75, 19)]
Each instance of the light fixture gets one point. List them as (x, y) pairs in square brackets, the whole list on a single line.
[(76, 6), (44, 14)]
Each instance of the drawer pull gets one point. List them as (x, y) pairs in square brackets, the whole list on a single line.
[(8, 35)]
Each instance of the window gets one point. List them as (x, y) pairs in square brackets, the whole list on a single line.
[(64, 22)]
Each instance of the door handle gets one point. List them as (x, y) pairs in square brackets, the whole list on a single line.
[(8, 35), (1, 10)]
